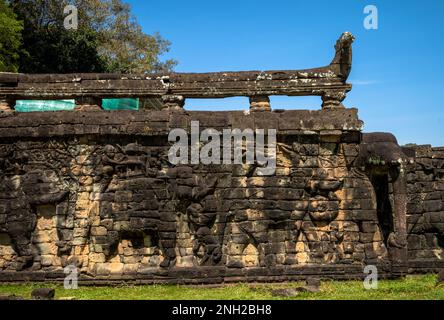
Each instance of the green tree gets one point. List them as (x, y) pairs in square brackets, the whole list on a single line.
[(122, 43), (10, 38), (108, 39)]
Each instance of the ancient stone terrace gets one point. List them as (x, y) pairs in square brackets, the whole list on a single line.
[(95, 189)]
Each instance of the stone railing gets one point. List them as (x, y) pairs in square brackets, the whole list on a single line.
[(171, 89)]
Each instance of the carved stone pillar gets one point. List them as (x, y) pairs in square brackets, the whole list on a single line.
[(260, 103), (171, 101), (333, 99)]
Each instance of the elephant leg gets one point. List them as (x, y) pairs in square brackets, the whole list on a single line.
[(267, 258), (168, 244), (112, 242), (167, 238), (22, 245), (399, 241)]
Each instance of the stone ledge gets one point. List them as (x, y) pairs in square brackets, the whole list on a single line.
[(210, 275), (147, 123)]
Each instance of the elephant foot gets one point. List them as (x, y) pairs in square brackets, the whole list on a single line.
[(237, 264), (394, 242), (268, 261), (168, 262), (24, 263)]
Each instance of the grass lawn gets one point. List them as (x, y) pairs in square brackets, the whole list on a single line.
[(411, 287)]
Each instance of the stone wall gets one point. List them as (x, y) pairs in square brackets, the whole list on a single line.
[(96, 190), (426, 209)]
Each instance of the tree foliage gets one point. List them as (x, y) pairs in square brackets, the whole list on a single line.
[(49, 47), (122, 43), (108, 39), (10, 38)]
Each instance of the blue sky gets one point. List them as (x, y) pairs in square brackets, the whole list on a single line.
[(398, 70)]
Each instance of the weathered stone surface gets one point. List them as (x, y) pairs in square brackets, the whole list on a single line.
[(7, 297), (441, 276), (43, 294), (290, 292)]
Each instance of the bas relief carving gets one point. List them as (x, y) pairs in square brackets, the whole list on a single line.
[(122, 207)]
